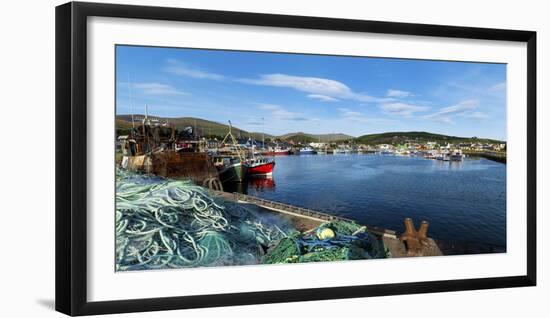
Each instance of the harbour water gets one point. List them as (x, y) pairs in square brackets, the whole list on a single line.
[(463, 201)]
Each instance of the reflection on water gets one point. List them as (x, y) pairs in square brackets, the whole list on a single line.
[(463, 201), (262, 184), (255, 184)]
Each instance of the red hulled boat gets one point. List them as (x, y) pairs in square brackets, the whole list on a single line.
[(277, 151), (281, 152), (259, 166)]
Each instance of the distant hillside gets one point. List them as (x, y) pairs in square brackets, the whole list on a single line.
[(123, 124), (298, 138), (211, 128), (204, 127), (304, 137), (417, 136)]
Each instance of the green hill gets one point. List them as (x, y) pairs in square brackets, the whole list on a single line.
[(203, 127), (304, 137), (417, 136), (299, 138)]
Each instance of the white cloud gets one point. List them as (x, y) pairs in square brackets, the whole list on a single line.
[(476, 115), (459, 108), (464, 109), (278, 112), (157, 89), (181, 69), (499, 86), (358, 117), (312, 86), (402, 109), (322, 98), (398, 93), (441, 119), (348, 113)]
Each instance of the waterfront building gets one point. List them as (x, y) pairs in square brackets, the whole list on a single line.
[(317, 144)]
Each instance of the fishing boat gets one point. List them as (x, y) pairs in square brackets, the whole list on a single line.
[(230, 169), (157, 148), (230, 159), (255, 164), (277, 151), (306, 151), (281, 151), (259, 166)]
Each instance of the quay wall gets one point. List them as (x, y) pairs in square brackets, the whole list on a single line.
[(494, 156)]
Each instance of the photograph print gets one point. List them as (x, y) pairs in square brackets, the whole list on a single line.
[(227, 158)]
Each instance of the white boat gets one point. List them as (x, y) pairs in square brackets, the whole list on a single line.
[(442, 155), (307, 151)]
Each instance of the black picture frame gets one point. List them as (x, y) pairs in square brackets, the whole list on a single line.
[(71, 157)]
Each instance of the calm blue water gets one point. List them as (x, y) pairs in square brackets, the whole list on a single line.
[(463, 201)]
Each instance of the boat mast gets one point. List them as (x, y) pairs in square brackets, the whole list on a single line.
[(263, 132), (131, 107), (145, 120), (145, 112), (234, 142)]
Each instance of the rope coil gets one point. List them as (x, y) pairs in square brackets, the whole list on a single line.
[(163, 223)]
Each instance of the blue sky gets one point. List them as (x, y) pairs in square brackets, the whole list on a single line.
[(313, 93)]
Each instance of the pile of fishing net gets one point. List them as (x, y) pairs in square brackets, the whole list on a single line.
[(333, 241), (162, 223)]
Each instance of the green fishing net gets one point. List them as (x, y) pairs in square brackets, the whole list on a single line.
[(350, 242), (163, 223)]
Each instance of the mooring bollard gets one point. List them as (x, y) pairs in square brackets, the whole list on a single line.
[(415, 240), (409, 227), (423, 233)]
